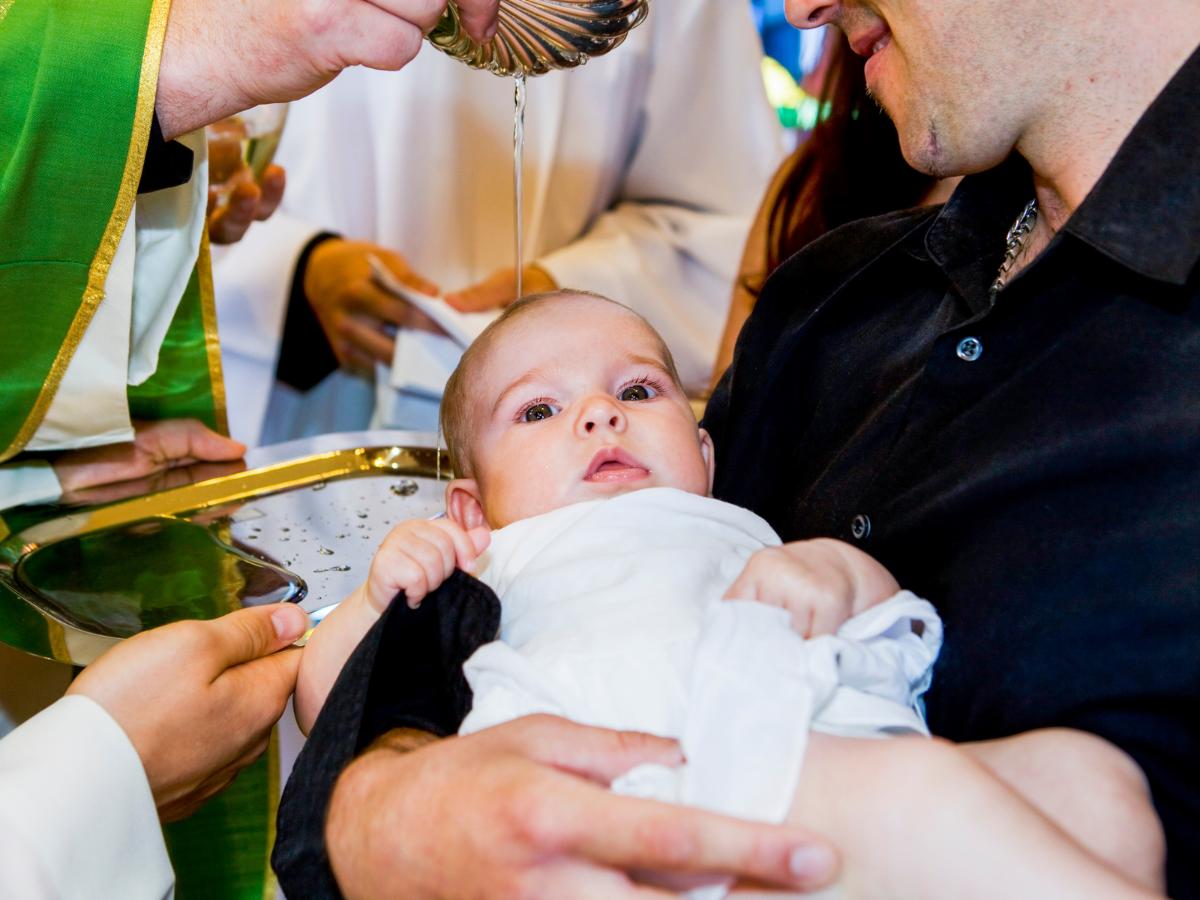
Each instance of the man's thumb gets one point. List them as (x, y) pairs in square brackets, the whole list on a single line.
[(257, 631)]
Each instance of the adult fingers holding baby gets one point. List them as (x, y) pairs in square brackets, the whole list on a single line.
[(821, 582), (541, 821)]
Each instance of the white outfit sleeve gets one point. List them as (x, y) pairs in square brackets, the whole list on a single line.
[(150, 271), (254, 278), (77, 817), (142, 292), (709, 142), (28, 482)]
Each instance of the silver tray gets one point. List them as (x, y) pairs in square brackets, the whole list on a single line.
[(301, 530)]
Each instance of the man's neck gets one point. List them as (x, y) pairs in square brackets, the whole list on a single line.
[(1117, 65)]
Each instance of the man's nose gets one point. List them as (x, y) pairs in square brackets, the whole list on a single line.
[(600, 412), (811, 13)]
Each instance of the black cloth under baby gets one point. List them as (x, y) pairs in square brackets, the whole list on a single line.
[(405, 673)]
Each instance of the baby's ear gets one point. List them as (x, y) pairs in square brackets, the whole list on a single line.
[(710, 456), (464, 505)]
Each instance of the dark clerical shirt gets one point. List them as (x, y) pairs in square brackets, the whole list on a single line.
[(1030, 464)]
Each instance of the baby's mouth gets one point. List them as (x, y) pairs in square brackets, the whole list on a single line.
[(614, 464)]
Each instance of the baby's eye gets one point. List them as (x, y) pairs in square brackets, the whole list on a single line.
[(537, 412), (637, 392)]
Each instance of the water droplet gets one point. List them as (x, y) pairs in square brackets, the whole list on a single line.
[(252, 537), (282, 539), (319, 486), (332, 569), (325, 551), (360, 525), (342, 536), (285, 529), (405, 487), (363, 515)]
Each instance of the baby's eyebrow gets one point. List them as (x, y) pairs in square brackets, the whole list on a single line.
[(648, 361), (531, 376)]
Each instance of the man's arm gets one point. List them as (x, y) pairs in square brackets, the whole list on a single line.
[(164, 720), (524, 809), (215, 64), (198, 699)]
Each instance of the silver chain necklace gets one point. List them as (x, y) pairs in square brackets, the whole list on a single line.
[(1014, 244)]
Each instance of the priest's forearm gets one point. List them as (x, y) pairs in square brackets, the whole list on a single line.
[(219, 59)]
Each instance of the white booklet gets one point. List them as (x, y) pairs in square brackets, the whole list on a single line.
[(423, 360)]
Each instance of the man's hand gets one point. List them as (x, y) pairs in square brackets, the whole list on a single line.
[(156, 448), (248, 201), (198, 699), (353, 310), (220, 60), (417, 556), (499, 289), (524, 810), (821, 582)]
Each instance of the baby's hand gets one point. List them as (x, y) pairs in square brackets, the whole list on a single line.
[(822, 583), (418, 556)]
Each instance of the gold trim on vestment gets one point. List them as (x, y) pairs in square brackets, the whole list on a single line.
[(270, 886), (102, 262), (212, 342)]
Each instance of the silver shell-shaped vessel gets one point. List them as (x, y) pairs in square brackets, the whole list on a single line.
[(535, 36)]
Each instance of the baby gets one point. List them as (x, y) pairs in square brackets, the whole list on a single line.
[(630, 599)]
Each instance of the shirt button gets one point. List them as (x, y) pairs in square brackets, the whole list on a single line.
[(969, 349), (860, 526)]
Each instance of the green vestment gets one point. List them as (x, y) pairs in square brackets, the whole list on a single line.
[(78, 82)]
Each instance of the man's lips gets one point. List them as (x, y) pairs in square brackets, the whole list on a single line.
[(871, 41), (614, 464)]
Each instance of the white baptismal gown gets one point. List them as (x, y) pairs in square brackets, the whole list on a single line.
[(612, 616)]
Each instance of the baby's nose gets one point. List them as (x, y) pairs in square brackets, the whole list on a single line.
[(592, 422), (601, 412)]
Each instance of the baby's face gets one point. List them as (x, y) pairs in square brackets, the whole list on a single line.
[(574, 402)]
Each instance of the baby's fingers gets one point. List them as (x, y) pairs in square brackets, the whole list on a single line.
[(434, 553), (396, 569), (467, 544), (747, 586)]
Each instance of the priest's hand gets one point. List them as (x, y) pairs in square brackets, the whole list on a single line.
[(198, 699), (499, 289), (524, 809), (157, 449), (357, 315), (218, 60)]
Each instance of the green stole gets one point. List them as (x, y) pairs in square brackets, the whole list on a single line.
[(75, 113)]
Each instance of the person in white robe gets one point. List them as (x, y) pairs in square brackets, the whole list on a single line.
[(642, 170)]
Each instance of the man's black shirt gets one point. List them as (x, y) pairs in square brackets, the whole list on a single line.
[(1030, 465)]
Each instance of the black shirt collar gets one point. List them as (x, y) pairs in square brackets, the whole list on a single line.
[(1144, 212), (967, 238)]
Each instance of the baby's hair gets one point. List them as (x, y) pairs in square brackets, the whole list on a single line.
[(455, 419)]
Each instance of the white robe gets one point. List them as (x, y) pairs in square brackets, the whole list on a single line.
[(77, 819), (612, 616), (642, 171)]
